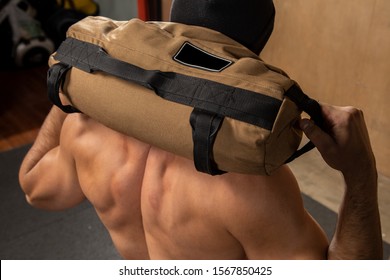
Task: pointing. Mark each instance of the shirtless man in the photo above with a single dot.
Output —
(156, 205)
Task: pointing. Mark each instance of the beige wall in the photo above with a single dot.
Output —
(166, 7)
(339, 52)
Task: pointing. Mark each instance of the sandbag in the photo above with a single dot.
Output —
(186, 89)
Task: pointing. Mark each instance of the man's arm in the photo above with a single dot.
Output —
(345, 146)
(47, 174)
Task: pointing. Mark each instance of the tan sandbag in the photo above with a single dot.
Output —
(152, 80)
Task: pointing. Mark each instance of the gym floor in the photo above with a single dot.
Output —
(28, 233)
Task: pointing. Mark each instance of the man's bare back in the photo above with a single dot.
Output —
(156, 205)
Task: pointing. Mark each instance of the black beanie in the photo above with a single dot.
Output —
(249, 22)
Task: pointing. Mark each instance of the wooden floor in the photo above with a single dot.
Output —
(23, 105)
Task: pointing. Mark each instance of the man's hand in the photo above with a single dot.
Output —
(345, 145)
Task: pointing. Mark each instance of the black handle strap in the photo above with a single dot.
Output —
(55, 77)
(310, 106)
(205, 126)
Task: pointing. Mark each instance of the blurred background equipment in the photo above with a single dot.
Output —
(31, 30)
(24, 43)
(88, 7)
(56, 16)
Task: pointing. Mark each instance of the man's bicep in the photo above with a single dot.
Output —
(52, 183)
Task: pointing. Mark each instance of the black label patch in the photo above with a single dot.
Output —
(193, 56)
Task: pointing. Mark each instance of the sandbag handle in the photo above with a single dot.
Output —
(205, 126)
(55, 77)
(310, 106)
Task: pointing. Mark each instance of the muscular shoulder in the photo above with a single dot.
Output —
(77, 125)
(267, 216)
(83, 135)
(255, 197)
(115, 160)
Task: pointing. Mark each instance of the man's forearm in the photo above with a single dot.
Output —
(48, 176)
(358, 232)
(47, 139)
(344, 144)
